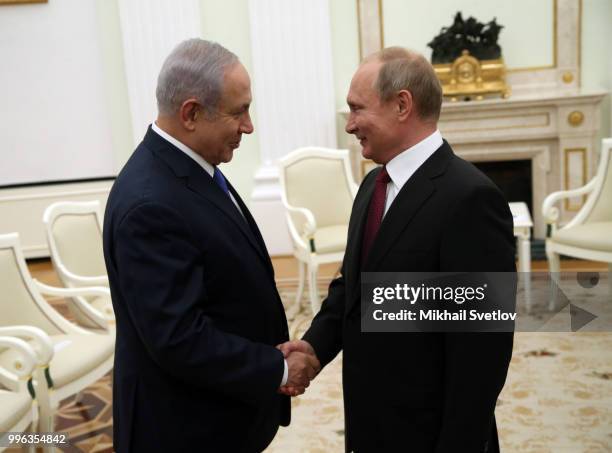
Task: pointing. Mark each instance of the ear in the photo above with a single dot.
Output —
(189, 113)
(404, 104)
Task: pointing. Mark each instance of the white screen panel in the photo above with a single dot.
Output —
(54, 122)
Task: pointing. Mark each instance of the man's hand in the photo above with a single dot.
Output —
(297, 345)
(303, 366)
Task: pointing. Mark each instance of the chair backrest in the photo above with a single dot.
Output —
(319, 179)
(74, 235)
(20, 301)
(602, 207)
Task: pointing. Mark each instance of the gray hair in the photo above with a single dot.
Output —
(194, 69)
(404, 69)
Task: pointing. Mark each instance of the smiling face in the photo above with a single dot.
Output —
(373, 122)
(217, 136)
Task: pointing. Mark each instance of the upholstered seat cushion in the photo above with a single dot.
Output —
(13, 407)
(592, 235)
(75, 355)
(330, 239)
(104, 305)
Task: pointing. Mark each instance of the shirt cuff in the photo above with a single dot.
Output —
(285, 374)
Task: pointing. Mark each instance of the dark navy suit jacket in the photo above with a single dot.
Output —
(198, 313)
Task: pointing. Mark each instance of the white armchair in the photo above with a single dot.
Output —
(34, 354)
(589, 234)
(74, 236)
(80, 356)
(317, 192)
(18, 408)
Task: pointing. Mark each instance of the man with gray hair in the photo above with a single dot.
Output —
(423, 210)
(198, 313)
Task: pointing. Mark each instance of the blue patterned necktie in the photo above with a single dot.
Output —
(220, 180)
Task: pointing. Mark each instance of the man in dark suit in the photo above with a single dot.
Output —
(425, 210)
(198, 313)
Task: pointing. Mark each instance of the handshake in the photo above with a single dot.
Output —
(303, 366)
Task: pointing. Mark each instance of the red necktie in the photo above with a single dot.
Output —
(375, 213)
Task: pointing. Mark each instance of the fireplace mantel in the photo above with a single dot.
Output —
(557, 130)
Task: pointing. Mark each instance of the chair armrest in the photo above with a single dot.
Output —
(309, 228)
(26, 361)
(311, 223)
(76, 294)
(99, 291)
(551, 212)
(98, 280)
(37, 357)
(43, 347)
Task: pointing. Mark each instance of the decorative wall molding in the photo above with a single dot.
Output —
(564, 73)
(150, 29)
(294, 96)
(575, 165)
(371, 38)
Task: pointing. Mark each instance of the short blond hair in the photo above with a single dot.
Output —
(404, 69)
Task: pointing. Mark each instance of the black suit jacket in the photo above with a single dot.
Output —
(198, 313)
(421, 392)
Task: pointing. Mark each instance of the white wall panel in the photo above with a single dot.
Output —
(294, 89)
(54, 119)
(150, 30)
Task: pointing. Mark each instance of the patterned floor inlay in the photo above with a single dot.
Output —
(558, 398)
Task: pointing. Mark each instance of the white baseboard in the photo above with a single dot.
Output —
(22, 208)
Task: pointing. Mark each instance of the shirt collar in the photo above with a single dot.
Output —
(403, 166)
(187, 150)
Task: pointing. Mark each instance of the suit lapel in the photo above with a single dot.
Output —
(415, 192)
(202, 183)
(407, 203)
(253, 228)
(357, 223)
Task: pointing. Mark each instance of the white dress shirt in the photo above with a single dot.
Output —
(210, 169)
(403, 166)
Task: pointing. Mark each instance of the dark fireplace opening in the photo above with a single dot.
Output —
(513, 177)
